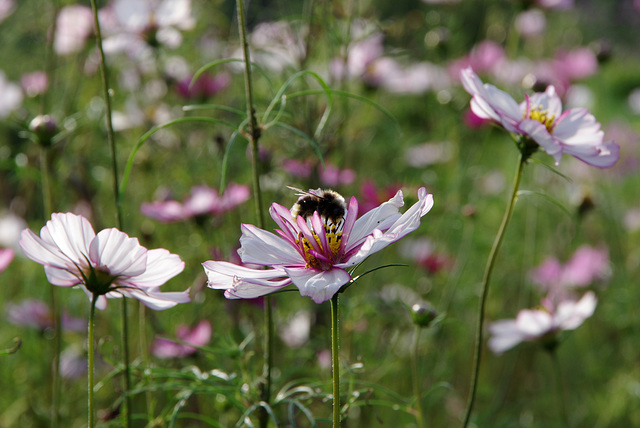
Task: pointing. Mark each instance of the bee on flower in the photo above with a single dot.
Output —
(319, 240)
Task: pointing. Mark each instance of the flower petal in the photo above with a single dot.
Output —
(161, 267)
(570, 315)
(265, 248)
(320, 285)
(154, 299)
(407, 223)
(242, 282)
(504, 336)
(117, 253)
(380, 218)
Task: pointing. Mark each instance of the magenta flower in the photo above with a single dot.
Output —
(204, 87)
(540, 118)
(313, 253)
(108, 265)
(197, 336)
(541, 324)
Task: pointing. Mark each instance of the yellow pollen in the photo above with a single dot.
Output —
(333, 238)
(543, 117)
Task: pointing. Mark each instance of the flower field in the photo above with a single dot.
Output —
(421, 213)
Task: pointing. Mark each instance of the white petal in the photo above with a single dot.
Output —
(71, 233)
(504, 336)
(221, 275)
(265, 248)
(380, 218)
(63, 277)
(155, 299)
(161, 267)
(534, 323)
(407, 223)
(119, 254)
(606, 156)
(569, 315)
(320, 285)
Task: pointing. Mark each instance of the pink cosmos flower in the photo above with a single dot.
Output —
(36, 314)
(203, 200)
(34, 83)
(541, 324)
(109, 264)
(6, 256)
(586, 266)
(206, 86)
(313, 254)
(197, 336)
(74, 25)
(541, 119)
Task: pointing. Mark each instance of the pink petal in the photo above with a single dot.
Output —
(6, 255)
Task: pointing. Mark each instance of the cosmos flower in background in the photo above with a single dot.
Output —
(541, 119)
(6, 256)
(587, 266)
(541, 325)
(11, 96)
(202, 200)
(207, 85)
(200, 335)
(330, 175)
(108, 265)
(36, 314)
(74, 25)
(313, 252)
(34, 83)
(138, 24)
(424, 253)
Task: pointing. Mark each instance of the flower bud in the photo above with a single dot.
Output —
(423, 314)
(44, 127)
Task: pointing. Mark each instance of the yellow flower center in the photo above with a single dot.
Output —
(334, 236)
(542, 116)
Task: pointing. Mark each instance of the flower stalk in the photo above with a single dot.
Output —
(92, 420)
(114, 167)
(493, 254)
(335, 360)
(253, 136)
(561, 392)
(416, 383)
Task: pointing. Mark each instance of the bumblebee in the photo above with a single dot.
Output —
(329, 204)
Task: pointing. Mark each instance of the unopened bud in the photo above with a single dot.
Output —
(423, 314)
(44, 127)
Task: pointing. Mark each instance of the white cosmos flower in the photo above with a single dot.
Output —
(540, 324)
(313, 255)
(540, 118)
(109, 264)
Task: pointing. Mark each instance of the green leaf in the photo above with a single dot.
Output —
(547, 197)
(149, 133)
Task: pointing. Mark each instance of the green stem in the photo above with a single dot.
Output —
(114, 168)
(92, 313)
(335, 360)
(125, 357)
(144, 351)
(562, 393)
(253, 137)
(55, 307)
(485, 287)
(107, 103)
(416, 384)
